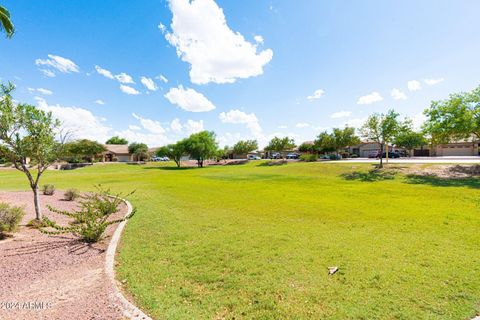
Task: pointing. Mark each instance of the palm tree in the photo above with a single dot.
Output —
(6, 24)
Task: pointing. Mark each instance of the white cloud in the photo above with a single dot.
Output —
(282, 126)
(149, 83)
(397, 94)
(124, 78)
(176, 126)
(58, 63)
(193, 126)
(134, 127)
(189, 99)
(104, 72)
(302, 125)
(47, 73)
(215, 53)
(258, 39)
(162, 27)
(370, 98)
(317, 94)
(355, 123)
(43, 91)
(150, 125)
(418, 120)
(432, 82)
(162, 78)
(250, 120)
(79, 122)
(100, 102)
(129, 90)
(414, 85)
(340, 114)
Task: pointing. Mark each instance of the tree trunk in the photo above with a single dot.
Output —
(386, 152)
(381, 156)
(36, 201)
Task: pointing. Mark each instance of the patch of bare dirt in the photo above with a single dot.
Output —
(444, 171)
(53, 277)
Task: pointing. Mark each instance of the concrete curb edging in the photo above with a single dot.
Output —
(129, 309)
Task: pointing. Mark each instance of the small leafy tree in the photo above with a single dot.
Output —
(84, 149)
(280, 144)
(28, 134)
(139, 150)
(382, 129)
(325, 142)
(343, 138)
(245, 146)
(116, 140)
(91, 219)
(201, 146)
(409, 139)
(307, 147)
(173, 151)
(6, 24)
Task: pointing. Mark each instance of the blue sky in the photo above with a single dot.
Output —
(244, 69)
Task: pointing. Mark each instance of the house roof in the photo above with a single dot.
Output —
(117, 148)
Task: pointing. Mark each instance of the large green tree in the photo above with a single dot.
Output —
(280, 144)
(6, 24)
(382, 129)
(201, 146)
(173, 151)
(117, 140)
(457, 117)
(324, 142)
(245, 146)
(408, 138)
(343, 138)
(84, 149)
(139, 150)
(28, 134)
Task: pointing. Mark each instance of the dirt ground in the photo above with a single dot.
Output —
(53, 277)
(451, 171)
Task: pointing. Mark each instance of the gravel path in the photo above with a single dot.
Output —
(53, 277)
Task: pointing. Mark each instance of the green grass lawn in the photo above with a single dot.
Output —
(254, 242)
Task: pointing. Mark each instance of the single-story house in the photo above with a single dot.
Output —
(453, 149)
(117, 153)
(366, 149)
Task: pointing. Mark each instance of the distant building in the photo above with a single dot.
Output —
(117, 153)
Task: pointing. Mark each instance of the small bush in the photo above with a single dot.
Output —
(92, 218)
(36, 224)
(354, 156)
(10, 217)
(309, 157)
(71, 194)
(48, 189)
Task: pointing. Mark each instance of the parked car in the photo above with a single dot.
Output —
(373, 154)
(391, 155)
(293, 156)
(254, 157)
(155, 159)
(276, 156)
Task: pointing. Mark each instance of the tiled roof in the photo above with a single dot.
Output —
(117, 148)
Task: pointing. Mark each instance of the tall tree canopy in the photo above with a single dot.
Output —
(280, 144)
(382, 129)
(6, 24)
(84, 149)
(325, 142)
(245, 146)
(28, 134)
(139, 150)
(201, 146)
(343, 138)
(116, 140)
(457, 117)
(407, 138)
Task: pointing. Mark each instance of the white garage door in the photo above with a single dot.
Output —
(457, 151)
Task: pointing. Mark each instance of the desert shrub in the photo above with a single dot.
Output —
(91, 219)
(48, 189)
(309, 157)
(71, 194)
(334, 157)
(10, 217)
(114, 159)
(36, 224)
(354, 155)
